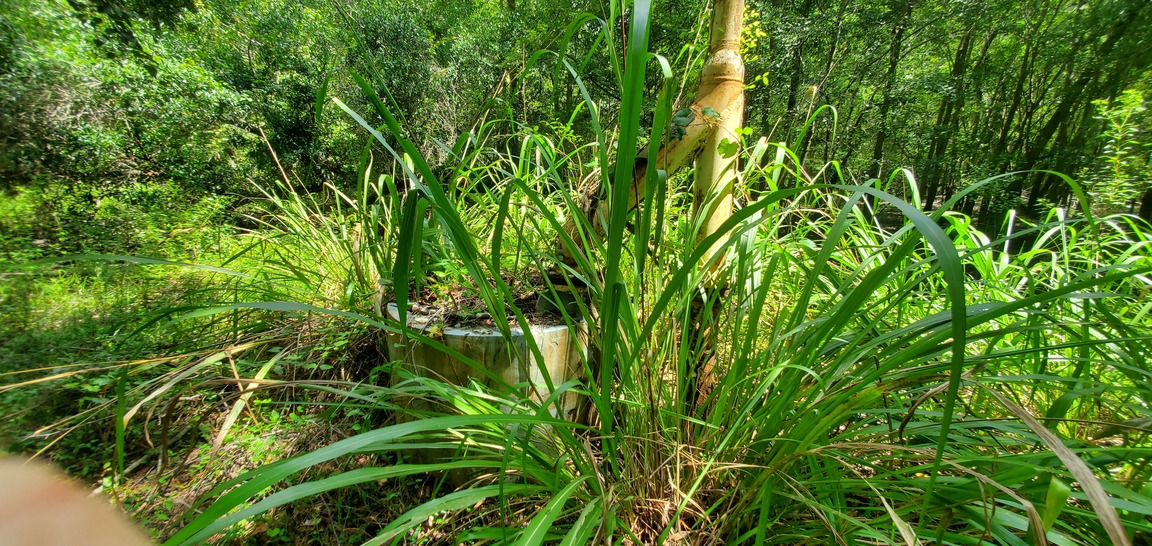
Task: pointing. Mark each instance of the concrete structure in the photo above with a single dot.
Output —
(563, 350)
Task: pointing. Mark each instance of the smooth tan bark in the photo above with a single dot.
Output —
(722, 90)
(712, 141)
(722, 83)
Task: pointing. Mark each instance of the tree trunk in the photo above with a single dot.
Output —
(722, 83)
(889, 83)
(794, 118)
(1146, 206)
(715, 141)
(947, 122)
(722, 80)
(721, 90)
(1077, 90)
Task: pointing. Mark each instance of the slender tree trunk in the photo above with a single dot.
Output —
(794, 118)
(721, 90)
(722, 80)
(947, 117)
(1017, 97)
(1077, 90)
(714, 139)
(1146, 206)
(894, 52)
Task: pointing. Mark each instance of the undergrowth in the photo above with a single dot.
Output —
(902, 381)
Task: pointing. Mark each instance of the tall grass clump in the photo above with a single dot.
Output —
(914, 382)
(867, 382)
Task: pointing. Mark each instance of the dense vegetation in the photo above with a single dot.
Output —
(925, 321)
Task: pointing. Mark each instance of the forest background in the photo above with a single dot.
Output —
(154, 129)
(104, 96)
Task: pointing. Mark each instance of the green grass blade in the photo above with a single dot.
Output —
(537, 529)
(449, 503)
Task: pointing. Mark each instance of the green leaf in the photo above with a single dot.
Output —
(585, 525)
(678, 122)
(1055, 501)
(239, 491)
(448, 503)
(728, 148)
(683, 117)
(538, 528)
